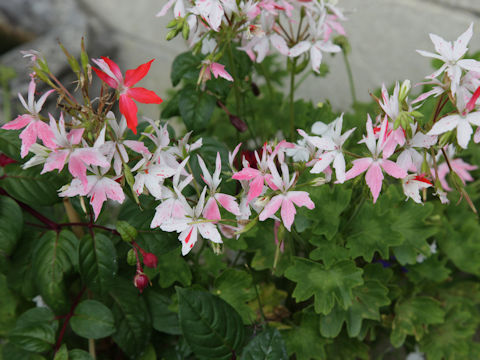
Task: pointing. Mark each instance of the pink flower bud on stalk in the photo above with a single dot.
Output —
(140, 281)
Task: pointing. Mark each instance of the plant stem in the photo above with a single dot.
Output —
(350, 77)
(291, 95)
(73, 217)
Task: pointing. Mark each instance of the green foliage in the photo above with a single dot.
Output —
(92, 320)
(211, 327)
(412, 317)
(329, 286)
(268, 345)
(11, 224)
(196, 108)
(163, 318)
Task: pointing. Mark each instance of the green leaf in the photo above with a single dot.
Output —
(196, 108)
(11, 224)
(97, 261)
(28, 186)
(170, 109)
(53, 258)
(412, 317)
(10, 144)
(62, 353)
(454, 338)
(12, 352)
(126, 231)
(149, 353)
(35, 330)
(465, 232)
(431, 269)
(132, 319)
(304, 340)
(172, 268)
(371, 232)
(163, 319)
(77, 354)
(235, 287)
(329, 252)
(185, 65)
(211, 327)
(328, 285)
(368, 299)
(326, 218)
(8, 305)
(92, 320)
(268, 345)
(345, 348)
(410, 222)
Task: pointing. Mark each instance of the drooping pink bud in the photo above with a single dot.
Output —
(471, 104)
(140, 281)
(150, 260)
(5, 160)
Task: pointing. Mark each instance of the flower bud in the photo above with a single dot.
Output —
(5, 160)
(140, 281)
(237, 123)
(255, 89)
(131, 258)
(404, 90)
(150, 260)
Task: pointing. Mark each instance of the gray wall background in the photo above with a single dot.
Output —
(383, 33)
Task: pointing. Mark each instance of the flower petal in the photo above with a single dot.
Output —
(374, 178)
(129, 109)
(135, 75)
(144, 96)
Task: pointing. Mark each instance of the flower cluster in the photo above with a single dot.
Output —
(103, 161)
(259, 26)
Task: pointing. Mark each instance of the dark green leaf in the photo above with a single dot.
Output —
(170, 109)
(35, 330)
(11, 224)
(10, 144)
(8, 305)
(77, 354)
(304, 340)
(163, 319)
(196, 108)
(268, 345)
(12, 352)
(28, 186)
(412, 317)
(62, 353)
(329, 285)
(97, 262)
(92, 320)
(185, 65)
(53, 258)
(371, 232)
(172, 268)
(211, 327)
(235, 287)
(132, 319)
(368, 299)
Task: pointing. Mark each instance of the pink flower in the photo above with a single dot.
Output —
(257, 176)
(460, 167)
(99, 189)
(286, 199)
(214, 68)
(374, 165)
(110, 73)
(34, 127)
(211, 210)
(77, 157)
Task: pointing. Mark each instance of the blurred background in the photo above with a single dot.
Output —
(383, 35)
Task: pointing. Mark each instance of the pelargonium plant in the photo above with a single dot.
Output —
(271, 228)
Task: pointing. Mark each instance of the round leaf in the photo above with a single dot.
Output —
(92, 320)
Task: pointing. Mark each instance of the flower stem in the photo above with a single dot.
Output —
(291, 96)
(350, 77)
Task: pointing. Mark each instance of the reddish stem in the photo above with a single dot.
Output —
(67, 319)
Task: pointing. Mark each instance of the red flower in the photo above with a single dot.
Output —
(110, 73)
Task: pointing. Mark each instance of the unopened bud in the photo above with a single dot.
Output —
(404, 90)
(140, 281)
(343, 42)
(172, 24)
(150, 260)
(445, 139)
(171, 34)
(186, 30)
(237, 123)
(319, 181)
(131, 258)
